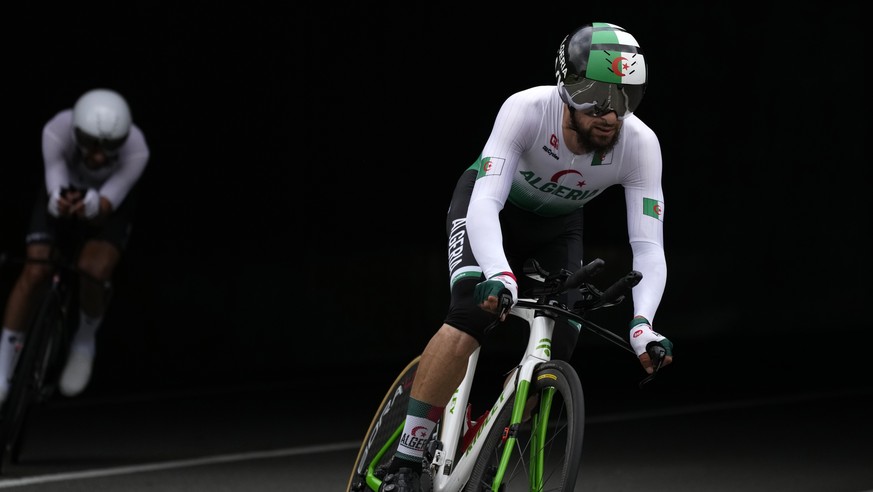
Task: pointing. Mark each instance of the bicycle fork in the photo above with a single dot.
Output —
(538, 351)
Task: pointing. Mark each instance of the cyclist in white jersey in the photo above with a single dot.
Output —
(552, 149)
(93, 156)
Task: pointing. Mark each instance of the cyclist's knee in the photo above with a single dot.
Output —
(458, 341)
(97, 264)
(96, 270)
(37, 269)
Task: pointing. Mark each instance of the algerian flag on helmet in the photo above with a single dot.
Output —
(614, 56)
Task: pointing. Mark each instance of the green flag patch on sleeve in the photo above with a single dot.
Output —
(653, 208)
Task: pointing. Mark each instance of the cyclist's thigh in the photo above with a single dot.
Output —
(117, 227)
(464, 314)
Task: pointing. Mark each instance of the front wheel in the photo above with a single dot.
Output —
(41, 349)
(380, 441)
(546, 449)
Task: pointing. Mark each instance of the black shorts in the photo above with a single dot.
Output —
(555, 242)
(45, 228)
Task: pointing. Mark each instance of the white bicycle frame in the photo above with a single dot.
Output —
(451, 476)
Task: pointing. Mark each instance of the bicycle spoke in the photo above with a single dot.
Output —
(547, 445)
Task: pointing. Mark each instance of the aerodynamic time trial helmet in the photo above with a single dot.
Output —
(101, 118)
(601, 67)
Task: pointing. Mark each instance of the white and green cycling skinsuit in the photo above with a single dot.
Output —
(526, 162)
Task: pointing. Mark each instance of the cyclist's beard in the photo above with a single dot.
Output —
(589, 143)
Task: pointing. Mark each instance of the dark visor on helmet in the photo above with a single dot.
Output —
(587, 94)
(91, 142)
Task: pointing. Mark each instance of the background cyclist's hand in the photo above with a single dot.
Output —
(641, 335)
(89, 206)
(62, 202)
(497, 294)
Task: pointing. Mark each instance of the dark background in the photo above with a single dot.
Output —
(292, 213)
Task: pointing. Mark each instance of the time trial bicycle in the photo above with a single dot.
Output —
(45, 349)
(531, 437)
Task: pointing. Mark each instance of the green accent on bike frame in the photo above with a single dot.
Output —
(517, 415)
(538, 444)
(546, 346)
(453, 403)
(373, 482)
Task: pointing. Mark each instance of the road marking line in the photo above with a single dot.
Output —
(210, 460)
(343, 446)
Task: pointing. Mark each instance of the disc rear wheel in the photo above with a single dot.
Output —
(380, 441)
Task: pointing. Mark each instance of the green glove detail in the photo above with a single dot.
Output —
(495, 285)
(487, 288)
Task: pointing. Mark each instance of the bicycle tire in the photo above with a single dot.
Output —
(564, 430)
(389, 416)
(43, 343)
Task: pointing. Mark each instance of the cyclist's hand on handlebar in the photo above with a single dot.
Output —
(653, 349)
(497, 294)
(89, 206)
(62, 202)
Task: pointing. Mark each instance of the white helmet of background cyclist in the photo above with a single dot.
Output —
(103, 116)
(601, 66)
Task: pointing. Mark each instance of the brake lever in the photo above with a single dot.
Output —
(656, 353)
(505, 304)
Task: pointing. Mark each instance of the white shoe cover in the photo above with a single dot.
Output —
(77, 372)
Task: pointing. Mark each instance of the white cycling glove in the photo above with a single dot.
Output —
(53, 203)
(91, 202)
(641, 334)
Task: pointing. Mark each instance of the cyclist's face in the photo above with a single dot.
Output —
(96, 156)
(595, 133)
(97, 152)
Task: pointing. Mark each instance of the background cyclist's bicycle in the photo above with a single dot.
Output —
(44, 352)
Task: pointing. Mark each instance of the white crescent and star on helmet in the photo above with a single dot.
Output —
(618, 67)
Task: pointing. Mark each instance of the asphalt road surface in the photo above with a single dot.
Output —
(303, 435)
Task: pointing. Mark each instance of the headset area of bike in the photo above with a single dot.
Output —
(531, 437)
(41, 360)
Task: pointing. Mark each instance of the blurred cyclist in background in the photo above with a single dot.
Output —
(94, 156)
(552, 149)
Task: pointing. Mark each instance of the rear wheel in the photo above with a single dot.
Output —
(546, 450)
(380, 441)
